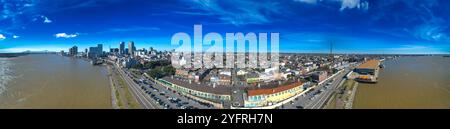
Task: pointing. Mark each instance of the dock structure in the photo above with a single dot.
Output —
(368, 71)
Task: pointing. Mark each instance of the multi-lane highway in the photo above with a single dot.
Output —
(144, 99)
(326, 93)
(318, 96)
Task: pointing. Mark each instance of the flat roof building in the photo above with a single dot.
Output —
(371, 64)
(368, 71)
(268, 96)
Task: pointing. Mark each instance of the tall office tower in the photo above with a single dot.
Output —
(100, 49)
(131, 48)
(122, 48)
(73, 51)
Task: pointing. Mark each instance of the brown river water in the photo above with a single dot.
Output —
(408, 82)
(52, 81)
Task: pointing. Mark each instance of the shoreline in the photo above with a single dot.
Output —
(114, 100)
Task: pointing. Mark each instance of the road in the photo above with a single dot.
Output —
(319, 102)
(317, 97)
(144, 99)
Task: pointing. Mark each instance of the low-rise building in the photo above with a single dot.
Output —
(215, 94)
(261, 97)
(368, 71)
(319, 76)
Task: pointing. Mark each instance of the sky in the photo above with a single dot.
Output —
(304, 26)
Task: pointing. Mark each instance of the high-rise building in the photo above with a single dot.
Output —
(92, 52)
(131, 48)
(122, 48)
(114, 50)
(95, 51)
(100, 48)
(73, 51)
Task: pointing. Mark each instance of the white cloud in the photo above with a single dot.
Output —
(64, 35)
(2, 37)
(46, 20)
(15, 36)
(345, 4)
(350, 4)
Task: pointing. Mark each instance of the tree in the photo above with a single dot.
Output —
(169, 70)
(156, 73)
(159, 72)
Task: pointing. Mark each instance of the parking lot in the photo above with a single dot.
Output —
(169, 99)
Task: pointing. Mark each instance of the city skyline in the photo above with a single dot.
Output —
(305, 26)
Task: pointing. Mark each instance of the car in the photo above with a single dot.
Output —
(299, 107)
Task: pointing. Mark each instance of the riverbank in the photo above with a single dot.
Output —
(120, 93)
(114, 93)
(344, 96)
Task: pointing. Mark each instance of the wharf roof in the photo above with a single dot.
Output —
(371, 64)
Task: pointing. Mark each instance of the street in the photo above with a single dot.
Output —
(317, 97)
(143, 99)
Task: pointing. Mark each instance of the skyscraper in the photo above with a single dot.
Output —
(95, 51)
(131, 48)
(73, 51)
(100, 49)
(122, 48)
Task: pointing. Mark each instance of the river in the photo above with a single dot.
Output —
(52, 81)
(408, 82)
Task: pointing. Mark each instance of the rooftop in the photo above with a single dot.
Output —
(253, 92)
(222, 90)
(371, 64)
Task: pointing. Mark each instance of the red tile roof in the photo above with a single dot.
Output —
(254, 92)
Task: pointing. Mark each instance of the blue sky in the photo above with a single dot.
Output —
(355, 26)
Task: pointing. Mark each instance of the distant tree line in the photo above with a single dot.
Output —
(157, 69)
(151, 64)
(161, 71)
